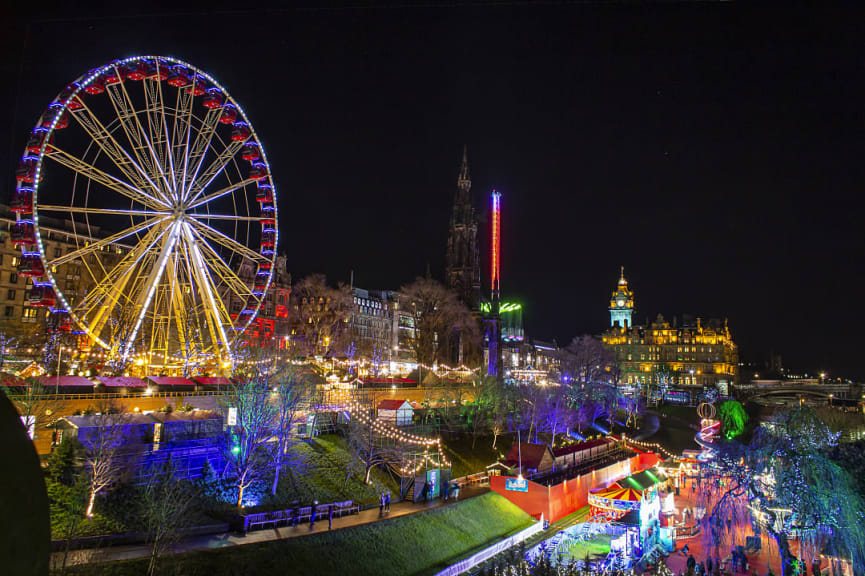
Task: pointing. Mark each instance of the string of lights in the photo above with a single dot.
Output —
(652, 446)
(388, 431)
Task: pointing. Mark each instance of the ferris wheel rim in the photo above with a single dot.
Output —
(60, 107)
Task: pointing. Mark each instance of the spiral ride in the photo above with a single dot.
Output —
(709, 430)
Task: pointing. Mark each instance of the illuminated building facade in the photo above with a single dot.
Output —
(24, 312)
(272, 324)
(370, 323)
(692, 353)
(462, 262)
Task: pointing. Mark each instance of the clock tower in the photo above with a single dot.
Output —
(622, 304)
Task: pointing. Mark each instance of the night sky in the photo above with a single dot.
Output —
(716, 151)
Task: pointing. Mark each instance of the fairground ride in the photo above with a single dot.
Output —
(156, 151)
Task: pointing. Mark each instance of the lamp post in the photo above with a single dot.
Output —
(57, 382)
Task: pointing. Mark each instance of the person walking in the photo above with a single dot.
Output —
(330, 517)
(380, 503)
(312, 516)
(387, 501)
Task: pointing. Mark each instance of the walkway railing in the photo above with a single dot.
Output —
(494, 550)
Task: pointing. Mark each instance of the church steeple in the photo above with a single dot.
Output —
(622, 303)
(464, 180)
(463, 257)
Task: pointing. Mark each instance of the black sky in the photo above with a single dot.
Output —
(714, 150)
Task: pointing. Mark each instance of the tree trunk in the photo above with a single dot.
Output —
(154, 555)
(240, 496)
(278, 466)
(368, 472)
(276, 477)
(89, 512)
(784, 552)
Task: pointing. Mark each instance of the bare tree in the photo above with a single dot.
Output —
(103, 456)
(439, 317)
(167, 503)
(121, 324)
(586, 361)
(557, 416)
(319, 314)
(249, 399)
(369, 447)
(292, 394)
(37, 405)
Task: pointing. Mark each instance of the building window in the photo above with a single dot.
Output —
(29, 313)
(10, 310)
(15, 260)
(10, 295)
(13, 277)
(57, 252)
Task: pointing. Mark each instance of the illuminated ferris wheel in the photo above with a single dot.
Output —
(165, 187)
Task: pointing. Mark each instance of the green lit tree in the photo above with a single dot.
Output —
(733, 418)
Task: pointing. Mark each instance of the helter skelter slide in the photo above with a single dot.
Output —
(709, 429)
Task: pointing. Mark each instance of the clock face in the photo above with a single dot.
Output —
(620, 303)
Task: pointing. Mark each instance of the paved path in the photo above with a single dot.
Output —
(114, 553)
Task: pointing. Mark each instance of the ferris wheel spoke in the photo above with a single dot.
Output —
(213, 170)
(229, 217)
(84, 210)
(201, 146)
(142, 146)
(107, 143)
(228, 242)
(125, 110)
(217, 313)
(220, 193)
(98, 244)
(145, 296)
(224, 271)
(112, 286)
(95, 174)
(180, 137)
(157, 126)
(194, 280)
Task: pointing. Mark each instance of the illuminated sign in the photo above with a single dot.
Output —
(232, 416)
(517, 484)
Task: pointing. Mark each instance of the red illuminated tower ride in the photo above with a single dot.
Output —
(492, 323)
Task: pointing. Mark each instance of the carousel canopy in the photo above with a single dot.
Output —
(616, 498)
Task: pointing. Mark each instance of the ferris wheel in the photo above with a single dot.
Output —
(146, 213)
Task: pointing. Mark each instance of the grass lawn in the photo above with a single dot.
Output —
(598, 546)
(465, 460)
(417, 544)
(320, 475)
